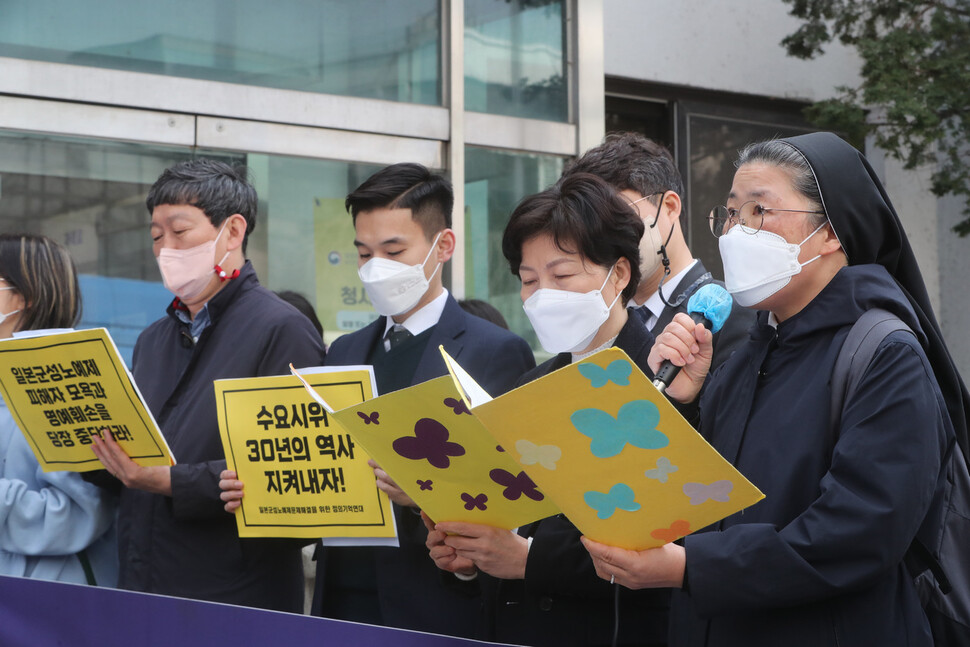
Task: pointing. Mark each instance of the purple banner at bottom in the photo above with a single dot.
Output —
(35, 613)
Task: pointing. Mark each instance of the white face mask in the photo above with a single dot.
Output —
(3, 316)
(393, 287)
(756, 265)
(567, 321)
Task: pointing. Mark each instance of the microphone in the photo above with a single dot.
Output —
(711, 306)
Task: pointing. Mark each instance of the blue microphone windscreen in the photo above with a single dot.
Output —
(712, 301)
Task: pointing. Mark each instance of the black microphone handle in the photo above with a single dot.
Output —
(668, 371)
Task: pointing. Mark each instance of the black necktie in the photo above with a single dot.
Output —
(397, 334)
(642, 312)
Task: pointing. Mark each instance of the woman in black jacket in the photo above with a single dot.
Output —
(575, 248)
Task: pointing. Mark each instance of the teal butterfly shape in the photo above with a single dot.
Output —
(618, 372)
(620, 497)
(635, 424)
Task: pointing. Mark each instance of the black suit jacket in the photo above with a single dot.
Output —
(562, 602)
(412, 592)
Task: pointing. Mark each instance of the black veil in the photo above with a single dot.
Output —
(870, 232)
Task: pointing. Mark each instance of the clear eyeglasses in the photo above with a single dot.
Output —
(751, 215)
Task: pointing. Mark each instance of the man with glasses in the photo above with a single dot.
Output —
(644, 173)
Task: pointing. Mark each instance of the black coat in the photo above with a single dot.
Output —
(561, 602)
(411, 592)
(819, 560)
(186, 544)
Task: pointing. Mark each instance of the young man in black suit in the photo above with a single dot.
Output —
(402, 224)
(644, 173)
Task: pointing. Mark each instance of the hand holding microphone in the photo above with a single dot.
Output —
(710, 306)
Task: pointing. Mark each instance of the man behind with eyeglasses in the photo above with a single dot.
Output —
(644, 173)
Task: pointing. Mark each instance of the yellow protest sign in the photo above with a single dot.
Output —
(620, 462)
(304, 476)
(64, 388)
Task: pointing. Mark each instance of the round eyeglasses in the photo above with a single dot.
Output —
(751, 215)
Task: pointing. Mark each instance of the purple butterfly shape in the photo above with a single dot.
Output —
(370, 418)
(516, 485)
(425, 485)
(472, 502)
(429, 442)
(716, 491)
(458, 405)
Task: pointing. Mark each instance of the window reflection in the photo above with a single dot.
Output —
(379, 49)
(494, 183)
(515, 58)
(90, 196)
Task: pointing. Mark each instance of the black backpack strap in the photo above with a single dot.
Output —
(857, 352)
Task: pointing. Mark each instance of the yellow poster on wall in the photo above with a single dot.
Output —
(620, 462)
(63, 388)
(304, 476)
(342, 303)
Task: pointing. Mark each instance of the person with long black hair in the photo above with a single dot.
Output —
(53, 525)
(810, 239)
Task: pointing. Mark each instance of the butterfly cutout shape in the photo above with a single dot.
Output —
(717, 491)
(620, 497)
(618, 371)
(472, 502)
(429, 442)
(458, 406)
(372, 418)
(516, 485)
(676, 530)
(635, 424)
(544, 455)
(662, 470)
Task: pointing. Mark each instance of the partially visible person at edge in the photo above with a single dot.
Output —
(644, 173)
(574, 247)
(484, 310)
(175, 538)
(810, 239)
(53, 525)
(402, 226)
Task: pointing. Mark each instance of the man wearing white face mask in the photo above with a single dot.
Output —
(645, 175)
(402, 224)
(174, 536)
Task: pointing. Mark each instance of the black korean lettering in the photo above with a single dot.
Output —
(264, 418)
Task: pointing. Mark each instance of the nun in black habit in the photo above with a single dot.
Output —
(810, 239)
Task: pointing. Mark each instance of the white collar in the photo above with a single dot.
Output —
(424, 318)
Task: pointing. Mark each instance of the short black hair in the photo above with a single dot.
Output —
(583, 214)
(216, 188)
(630, 161)
(484, 310)
(407, 186)
(302, 304)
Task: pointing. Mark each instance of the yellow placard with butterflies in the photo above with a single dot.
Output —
(619, 461)
(428, 441)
